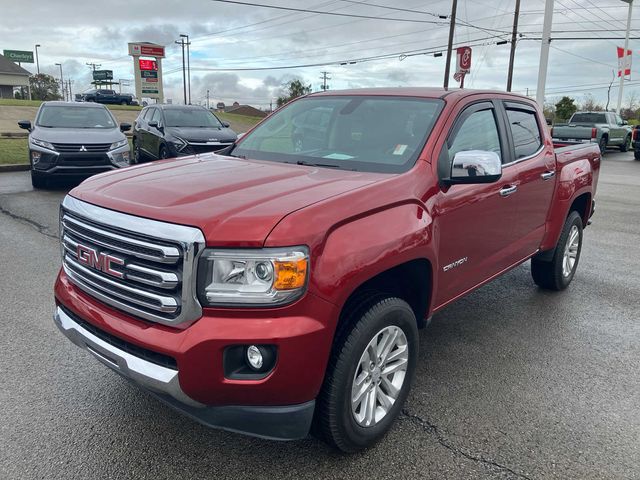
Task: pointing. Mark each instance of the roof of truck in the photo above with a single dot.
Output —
(424, 92)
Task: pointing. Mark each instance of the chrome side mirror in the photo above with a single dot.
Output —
(475, 166)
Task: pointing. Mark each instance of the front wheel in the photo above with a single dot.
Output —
(38, 181)
(557, 273)
(636, 154)
(626, 145)
(163, 153)
(603, 145)
(369, 374)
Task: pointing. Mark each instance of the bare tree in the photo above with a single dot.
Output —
(590, 104)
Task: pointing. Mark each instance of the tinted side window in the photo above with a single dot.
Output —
(525, 132)
(156, 115)
(478, 132)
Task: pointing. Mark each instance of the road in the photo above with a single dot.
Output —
(513, 382)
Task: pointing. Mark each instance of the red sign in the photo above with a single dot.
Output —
(148, 64)
(152, 51)
(626, 61)
(463, 63)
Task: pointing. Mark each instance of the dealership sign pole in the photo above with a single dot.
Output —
(148, 71)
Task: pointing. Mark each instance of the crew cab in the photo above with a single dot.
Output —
(107, 96)
(606, 129)
(277, 285)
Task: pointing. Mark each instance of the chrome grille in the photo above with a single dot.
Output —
(82, 147)
(152, 274)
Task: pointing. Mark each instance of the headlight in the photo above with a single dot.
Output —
(42, 143)
(178, 143)
(261, 277)
(119, 144)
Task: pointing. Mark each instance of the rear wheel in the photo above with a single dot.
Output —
(137, 152)
(163, 153)
(636, 154)
(557, 273)
(603, 145)
(369, 373)
(626, 145)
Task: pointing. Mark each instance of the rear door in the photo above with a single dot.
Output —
(475, 222)
(536, 164)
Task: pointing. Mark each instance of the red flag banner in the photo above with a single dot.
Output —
(624, 62)
(463, 63)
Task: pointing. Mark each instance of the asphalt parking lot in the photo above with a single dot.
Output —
(513, 382)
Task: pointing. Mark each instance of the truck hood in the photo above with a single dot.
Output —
(235, 202)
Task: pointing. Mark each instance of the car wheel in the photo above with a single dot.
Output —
(626, 145)
(369, 373)
(137, 152)
(636, 154)
(163, 153)
(38, 181)
(557, 273)
(123, 102)
(603, 145)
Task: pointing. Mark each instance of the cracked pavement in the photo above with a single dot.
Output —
(512, 382)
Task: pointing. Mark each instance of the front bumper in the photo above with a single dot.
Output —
(274, 422)
(279, 406)
(75, 163)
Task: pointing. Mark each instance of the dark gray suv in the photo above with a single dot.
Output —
(74, 140)
(168, 131)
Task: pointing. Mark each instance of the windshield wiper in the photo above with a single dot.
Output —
(310, 164)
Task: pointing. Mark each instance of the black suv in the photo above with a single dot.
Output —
(74, 139)
(167, 131)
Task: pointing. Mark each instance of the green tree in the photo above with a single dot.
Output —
(44, 87)
(295, 89)
(565, 108)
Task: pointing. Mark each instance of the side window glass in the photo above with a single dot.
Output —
(156, 115)
(525, 132)
(478, 132)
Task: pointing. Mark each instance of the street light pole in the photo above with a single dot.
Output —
(452, 26)
(624, 55)
(61, 81)
(514, 39)
(37, 61)
(189, 69)
(184, 76)
(544, 52)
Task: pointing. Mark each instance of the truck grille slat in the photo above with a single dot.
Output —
(131, 263)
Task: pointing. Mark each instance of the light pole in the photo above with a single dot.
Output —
(37, 61)
(184, 77)
(188, 67)
(624, 56)
(61, 81)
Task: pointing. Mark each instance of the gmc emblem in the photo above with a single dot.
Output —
(100, 261)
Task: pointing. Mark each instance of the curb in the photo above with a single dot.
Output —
(16, 167)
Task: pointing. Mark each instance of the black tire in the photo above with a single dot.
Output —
(123, 102)
(626, 145)
(138, 156)
(636, 154)
(603, 145)
(334, 421)
(163, 152)
(548, 274)
(38, 181)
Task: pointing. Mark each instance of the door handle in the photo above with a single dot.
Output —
(508, 190)
(548, 174)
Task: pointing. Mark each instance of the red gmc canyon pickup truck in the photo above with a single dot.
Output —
(278, 287)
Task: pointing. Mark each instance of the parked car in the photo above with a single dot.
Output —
(266, 289)
(167, 131)
(606, 129)
(70, 139)
(108, 97)
(636, 142)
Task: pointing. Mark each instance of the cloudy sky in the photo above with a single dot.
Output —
(235, 48)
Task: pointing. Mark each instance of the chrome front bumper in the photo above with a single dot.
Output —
(156, 378)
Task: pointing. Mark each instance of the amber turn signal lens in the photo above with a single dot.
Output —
(290, 274)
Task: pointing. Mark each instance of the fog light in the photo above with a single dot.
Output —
(254, 357)
(35, 156)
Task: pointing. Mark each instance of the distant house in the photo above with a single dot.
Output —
(246, 110)
(220, 106)
(11, 75)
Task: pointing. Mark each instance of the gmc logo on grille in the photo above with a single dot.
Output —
(100, 261)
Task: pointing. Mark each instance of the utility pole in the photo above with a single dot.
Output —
(69, 83)
(93, 66)
(61, 80)
(544, 52)
(325, 76)
(184, 75)
(624, 56)
(207, 99)
(514, 36)
(452, 26)
(37, 61)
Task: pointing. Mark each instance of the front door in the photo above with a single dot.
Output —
(474, 223)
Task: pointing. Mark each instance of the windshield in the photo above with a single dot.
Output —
(191, 117)
(75, 117)
(366, 133)
(588, 118)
